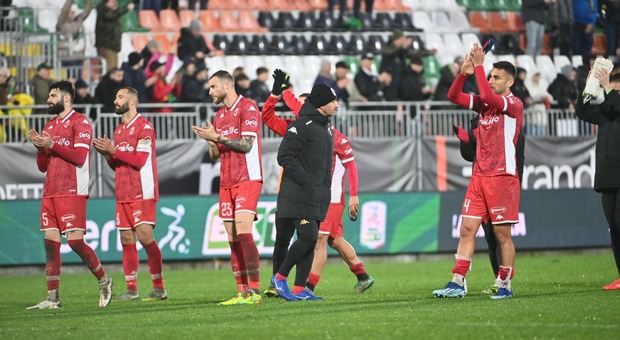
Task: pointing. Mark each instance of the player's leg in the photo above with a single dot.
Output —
(307, 237)
(251, 260)
(124, 219)
(284, 235)
(236, 252)
(611, 208)
(279, 280)
(53, 261)
(494, 255)
(320, 258)
(348, 254)
(154, 258)
(506, 269)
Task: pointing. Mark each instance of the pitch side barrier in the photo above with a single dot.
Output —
(359, 120)
(389, 224)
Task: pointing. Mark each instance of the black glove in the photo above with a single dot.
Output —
(280, 82)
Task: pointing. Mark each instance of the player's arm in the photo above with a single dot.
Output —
(291, 101)
(292, 143)
(487, 95)
(76, 154)
(456, 94)
(208, 133)
(43, 158)
(273, 122)
(214, 151)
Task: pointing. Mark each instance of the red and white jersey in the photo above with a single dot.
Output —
(136, 184)
(239, 120)
(343, 153)
(496, 136)
(63, 178)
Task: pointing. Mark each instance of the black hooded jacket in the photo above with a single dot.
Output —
(607, 117)
(306, 156)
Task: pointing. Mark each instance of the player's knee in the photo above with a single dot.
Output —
(76, 245)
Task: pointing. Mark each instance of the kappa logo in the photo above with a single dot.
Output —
(136, 215)
(500, 217)
(238, 205)
(252, 108)
(344, 141)
(222, 115)
(86, 121)
(303, 221)
(69, 224)
(148, 127)
(293, 130)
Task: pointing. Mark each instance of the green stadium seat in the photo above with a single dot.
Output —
(29, 21)
(130, 23)
(431, 69)
(354, 63)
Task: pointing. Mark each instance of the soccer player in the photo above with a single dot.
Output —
(330, 231)
(494, 190)
(63, 148)
(133, 159)
(306, 156)
(607, 177)
(234, 137)
(468, 152)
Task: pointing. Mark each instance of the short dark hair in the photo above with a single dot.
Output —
(242, 77)
(507, 66)
(223, 76)
(615, 78)
(133, 92)
(261, 70)
(65, 88)
(305, 94)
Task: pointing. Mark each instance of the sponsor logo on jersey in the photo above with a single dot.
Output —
(293, 130)
(348, 151)
(231, 130)
(489, 121)
(84, 135)
(125, 147)
(67, 217)
(251, 122)
(63, 141)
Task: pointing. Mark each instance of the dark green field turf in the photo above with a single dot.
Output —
(556, 296)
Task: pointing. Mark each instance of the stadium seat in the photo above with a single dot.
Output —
(383, 22)
(453, 44)
(210, 23)
(318, 5)
(403, 21)
(423, 21)
(356, 44)
(306, 22)
(469, 39)
(279, 44)
(599, 47)
(338, 44)
(221, 42)
(186, 16)
(327, 22)
(434, 40)
(431, 70)
(514, 22)
(259, 44)
(546, 67)
(148, 19)
(252, 63)
(248, 23)
(300, 46)
(215, 5)
(577, 60)
(375, 44)
(216, 63)
(239, 45)
(390, 5)
(139, 41)
(267, 19)
(459, 21)
(28, 20)
(165, 44)
(234, 61)
(47, 19)
(479, 20)
(442, 22)
(367, 22)
(527, 62)
(560, 61)
(286, 22)
(169, 20)
(353, 62)
(497, 22)
(92, 70)
(228, 21)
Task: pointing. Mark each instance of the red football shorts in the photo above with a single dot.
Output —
(242, 198)
(332, 225)
(129, 215)
(495, 198)
(64, 213)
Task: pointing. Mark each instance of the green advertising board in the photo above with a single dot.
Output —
(188, 228)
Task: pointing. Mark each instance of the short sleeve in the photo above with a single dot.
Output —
(145, 138)
(83, 133)
(250, 120)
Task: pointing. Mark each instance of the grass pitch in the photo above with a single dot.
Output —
(556, 296)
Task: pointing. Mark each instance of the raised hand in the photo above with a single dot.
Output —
(280, 82)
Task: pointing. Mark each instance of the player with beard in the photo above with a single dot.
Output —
(63, 148)
(133, 159)
(494, 190)
(234, 138)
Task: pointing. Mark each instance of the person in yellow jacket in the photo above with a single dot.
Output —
(14, 128)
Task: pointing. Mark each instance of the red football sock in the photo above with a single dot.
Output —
(314, 279)
(52, 264)
(506, 273)
(280, 277)
(153, 254)
(359, 270)
(130, 266)
(238, 267)
(298, 289)
(461, 266)
(251, 259)
(88, 256)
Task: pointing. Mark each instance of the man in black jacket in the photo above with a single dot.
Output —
(192, 44)
(468, 152)
(306, 156)
(607, 176)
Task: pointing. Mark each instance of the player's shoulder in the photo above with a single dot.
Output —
(248, 104)
(79, 118)
(514, 100)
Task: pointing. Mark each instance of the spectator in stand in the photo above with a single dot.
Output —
(259, 88)
(412, 86)
(4, 14)
(343, 82)
(40, 84)
(368, 82)
(342, 7)
(394, 56)
(585, 15)
(105, 92)
(7, 86)
(83, 99)
(519, 89)
(154, 5)
(447, 74)
(194, 86)
(135, 77)
(239, 70)
(148, 51)
(533, 15)
(561, 23)
(163, 92)
(156, 55)
(564, 88)
(536, 114)
(242, 85)
(193, 45)
(72, 40)
(325, 74)
(358, 3)
(610, 9)
(108, 31)
(170, 4)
